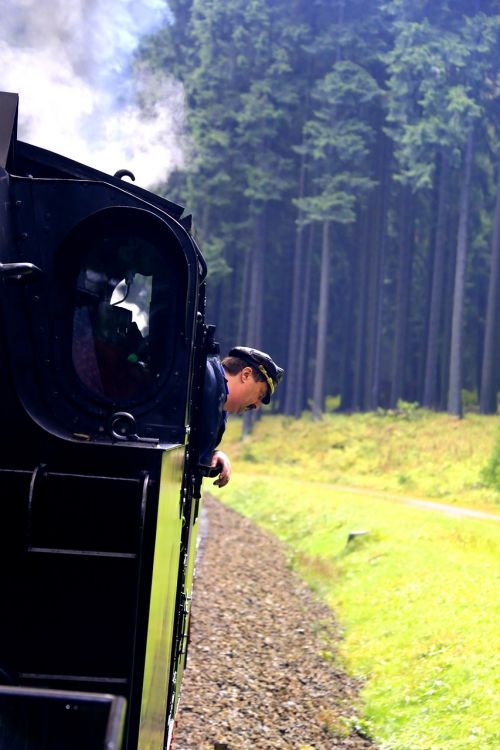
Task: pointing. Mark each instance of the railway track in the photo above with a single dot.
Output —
(257, 676)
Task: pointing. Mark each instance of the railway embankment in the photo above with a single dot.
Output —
(262, 669)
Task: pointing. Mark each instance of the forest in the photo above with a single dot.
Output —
(343, 172)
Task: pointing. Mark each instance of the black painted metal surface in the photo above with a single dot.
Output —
(101, 340)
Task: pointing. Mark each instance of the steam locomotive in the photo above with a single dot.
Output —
(104, 345)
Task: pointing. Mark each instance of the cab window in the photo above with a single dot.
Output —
(122, 315)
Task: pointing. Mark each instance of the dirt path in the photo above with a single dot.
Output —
(257, 675)
(451, 510)
(417, 502)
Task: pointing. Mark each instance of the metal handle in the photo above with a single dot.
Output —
(18, 270)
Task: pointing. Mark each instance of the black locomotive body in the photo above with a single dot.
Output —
(103, 354)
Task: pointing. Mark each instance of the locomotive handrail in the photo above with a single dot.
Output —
(18, 270)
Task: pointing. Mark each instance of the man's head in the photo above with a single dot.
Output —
(252, 378)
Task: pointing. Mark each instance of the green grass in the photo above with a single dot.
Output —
(417, 596)
(411, 452)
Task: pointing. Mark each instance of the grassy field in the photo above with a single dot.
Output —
(417, 594)
(412, 452)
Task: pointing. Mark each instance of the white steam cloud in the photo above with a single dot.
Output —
(69, 60)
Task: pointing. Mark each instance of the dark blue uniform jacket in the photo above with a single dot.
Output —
(213, 416)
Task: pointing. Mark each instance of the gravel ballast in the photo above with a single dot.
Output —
(256, 675)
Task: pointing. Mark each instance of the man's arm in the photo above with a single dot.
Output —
(219, 458)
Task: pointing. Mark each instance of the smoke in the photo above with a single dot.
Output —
(70, 62)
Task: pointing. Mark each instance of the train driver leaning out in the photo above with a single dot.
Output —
(244, 380)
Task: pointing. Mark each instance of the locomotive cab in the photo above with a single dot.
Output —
(103, 340)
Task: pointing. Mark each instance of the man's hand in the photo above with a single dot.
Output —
(220, 458)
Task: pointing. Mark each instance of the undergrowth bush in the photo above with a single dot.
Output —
(332, 403)
(490, 474)
(470, 400)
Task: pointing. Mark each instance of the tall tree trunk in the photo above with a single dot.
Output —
(321, 337)
(371, 301)
(488, 396)
(430, 397)
(447, 314)
(244, 295)
(215, 312)
(349, 331)
(254, 304)
(302, 344)
(293, 363)
(455, 383)
(359, 356)
(402, 296)
(255, 299)
(205, 216)
(379, 295)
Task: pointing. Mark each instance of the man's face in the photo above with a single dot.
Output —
(245, 392)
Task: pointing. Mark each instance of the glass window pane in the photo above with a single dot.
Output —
(122, 314)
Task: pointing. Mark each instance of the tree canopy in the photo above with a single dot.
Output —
(343, 172)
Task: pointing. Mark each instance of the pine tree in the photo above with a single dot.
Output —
(488, 400)
(337, 142)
